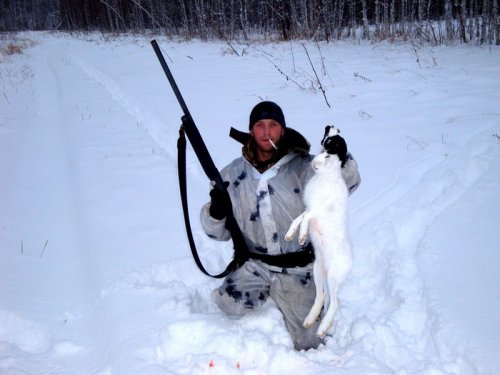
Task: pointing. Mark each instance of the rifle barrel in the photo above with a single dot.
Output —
(171, 79)
(190, 128)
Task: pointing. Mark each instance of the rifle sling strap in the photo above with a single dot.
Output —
(181, 166)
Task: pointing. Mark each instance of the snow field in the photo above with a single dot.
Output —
(96, 275)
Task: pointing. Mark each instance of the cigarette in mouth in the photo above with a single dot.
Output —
(272, 144)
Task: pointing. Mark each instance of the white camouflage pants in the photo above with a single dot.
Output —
(293, 290)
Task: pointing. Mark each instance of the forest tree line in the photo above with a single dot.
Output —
(434, 21)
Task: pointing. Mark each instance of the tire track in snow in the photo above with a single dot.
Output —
(391, 193)
(45, 209)
(45, 188)
(153, 126)
(386, 302)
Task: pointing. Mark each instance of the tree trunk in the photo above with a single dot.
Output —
(392, 16)
(462, 17)
(352, 18)
(340, 18)
(385, 18)
(484, 23)
(366, 29)
(496, 18)
(448, 16)
(377, 18)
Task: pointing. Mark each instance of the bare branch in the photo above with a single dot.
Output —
(44, 246)
(145, 11)
(317, 78)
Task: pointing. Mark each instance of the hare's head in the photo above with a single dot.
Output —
(330, 131)
(324, 162)
(334, 143)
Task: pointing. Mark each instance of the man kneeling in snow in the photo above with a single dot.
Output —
(265, 187)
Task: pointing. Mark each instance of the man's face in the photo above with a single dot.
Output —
(265, 130)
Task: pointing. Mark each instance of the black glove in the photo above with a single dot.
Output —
(219, 203)
(334, 143)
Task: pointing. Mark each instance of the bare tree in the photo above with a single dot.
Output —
(462, 17)
(484, 22)
(496, 18)
(448, 19)
(366, 30)
(434, 21)
(392, 19)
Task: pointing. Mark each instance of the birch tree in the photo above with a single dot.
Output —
(435, 21)
(448, 19)
(366, 30)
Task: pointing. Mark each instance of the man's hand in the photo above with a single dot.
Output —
(219, 203)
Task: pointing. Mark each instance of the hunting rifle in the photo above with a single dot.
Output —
(189, 128)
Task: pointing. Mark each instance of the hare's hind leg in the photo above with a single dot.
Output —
(319, 281)
(327, 320)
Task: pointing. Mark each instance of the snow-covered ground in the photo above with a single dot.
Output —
(96, 275)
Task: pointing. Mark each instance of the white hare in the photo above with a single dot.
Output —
(325, 219)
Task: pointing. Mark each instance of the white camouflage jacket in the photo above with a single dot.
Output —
(264, 204)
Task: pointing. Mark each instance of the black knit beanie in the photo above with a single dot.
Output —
(267, 111)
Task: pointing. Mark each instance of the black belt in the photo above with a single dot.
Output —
(299, 258)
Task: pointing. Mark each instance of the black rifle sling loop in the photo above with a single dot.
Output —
(181, 166)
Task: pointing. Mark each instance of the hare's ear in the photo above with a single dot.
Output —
(325, 136)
